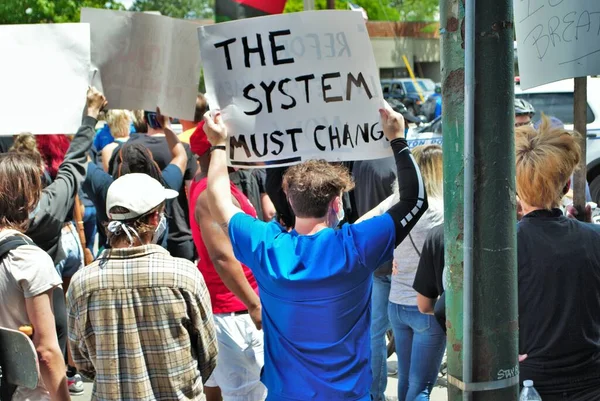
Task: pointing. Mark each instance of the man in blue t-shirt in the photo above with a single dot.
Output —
(314, 281)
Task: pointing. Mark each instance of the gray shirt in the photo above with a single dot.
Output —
(407, 255)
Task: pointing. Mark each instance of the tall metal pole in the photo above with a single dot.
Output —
(468, 212)
(580, 114)
(481, 290)
(453, 78)
(309, 5)
(495, 308)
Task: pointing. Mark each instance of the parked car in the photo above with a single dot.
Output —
(404, 90)
(554, 99)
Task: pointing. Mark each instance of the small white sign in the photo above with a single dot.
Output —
(143, 61)
(294, 87)
(44, 76)
(557, 39)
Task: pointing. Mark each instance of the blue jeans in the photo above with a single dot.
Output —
(420, 345)
(380, 323)
(89, 227)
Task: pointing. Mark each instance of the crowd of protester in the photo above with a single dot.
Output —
(169, 275)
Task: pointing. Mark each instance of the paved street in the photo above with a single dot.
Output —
(439, 393)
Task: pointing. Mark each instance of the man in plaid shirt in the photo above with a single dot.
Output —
(140, 321)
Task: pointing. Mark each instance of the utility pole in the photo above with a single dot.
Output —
(309, 5)
(482, 290)
(452, 14)
(331, 4)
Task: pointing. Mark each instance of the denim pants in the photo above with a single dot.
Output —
(380, 324)
(89, 227)
(420, 345)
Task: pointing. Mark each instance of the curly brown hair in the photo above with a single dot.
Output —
(312, 185)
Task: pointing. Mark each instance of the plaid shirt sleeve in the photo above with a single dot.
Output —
(77, 344)
(204, 337)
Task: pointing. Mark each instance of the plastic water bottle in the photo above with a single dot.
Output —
(529, 393)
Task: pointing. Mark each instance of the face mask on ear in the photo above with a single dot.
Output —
(160, 228)
(339, 216)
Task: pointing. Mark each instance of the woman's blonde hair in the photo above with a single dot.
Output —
(119, 122)
(429, 159)
(546, 159)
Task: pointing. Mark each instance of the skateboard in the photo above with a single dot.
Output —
(18, 359)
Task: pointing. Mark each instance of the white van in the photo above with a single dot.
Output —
(554, 99)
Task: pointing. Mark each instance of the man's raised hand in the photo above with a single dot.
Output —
(95, 102)
(215, 129)
(392, 123)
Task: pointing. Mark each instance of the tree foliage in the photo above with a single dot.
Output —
(48, 11)
(191, 9)
(381, 10)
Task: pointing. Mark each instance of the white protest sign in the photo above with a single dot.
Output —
(44, 76)
(557, 39)
(294, 87)
(145, 60)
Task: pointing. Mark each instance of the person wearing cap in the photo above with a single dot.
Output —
(233, 291)
(524, 112)
(140, 320)
(315, 281)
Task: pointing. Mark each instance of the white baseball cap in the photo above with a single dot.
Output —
(138, 193)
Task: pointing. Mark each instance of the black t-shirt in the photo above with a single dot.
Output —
(179, 226)
(247, 182)
(559, 304)
(5, 143)
(428, 279)
(430, 272)
(374, 181)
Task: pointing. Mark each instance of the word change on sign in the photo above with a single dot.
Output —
(557, 39)
(43, 61)
(294, 87)
(145, 60)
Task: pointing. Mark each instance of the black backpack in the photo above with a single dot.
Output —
(11, 243)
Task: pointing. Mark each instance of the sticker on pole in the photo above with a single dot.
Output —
(294, 87)
(557, 39)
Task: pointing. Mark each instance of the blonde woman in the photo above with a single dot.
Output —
(119, 122)
(559, 271)
(420, 340)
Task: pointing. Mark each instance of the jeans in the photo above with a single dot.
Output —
(70, 252)
(380, 323)
(420, 345)
(89, 227)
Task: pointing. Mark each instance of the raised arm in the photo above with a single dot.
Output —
(380, 209)
(220, 202)
(178, 153)
(413, 200)
(58, 198)
(227, 266)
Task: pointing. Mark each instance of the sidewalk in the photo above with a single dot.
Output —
(439, 393)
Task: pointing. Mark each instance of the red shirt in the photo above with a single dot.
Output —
(223, 300)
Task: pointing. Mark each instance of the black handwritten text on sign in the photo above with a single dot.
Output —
(561, 25)
(310, 89)
(267, 88)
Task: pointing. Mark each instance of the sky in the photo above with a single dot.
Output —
(127, 3)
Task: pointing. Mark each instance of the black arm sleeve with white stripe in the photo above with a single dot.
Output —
(413, 200)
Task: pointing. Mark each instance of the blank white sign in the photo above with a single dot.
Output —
(44, 76)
